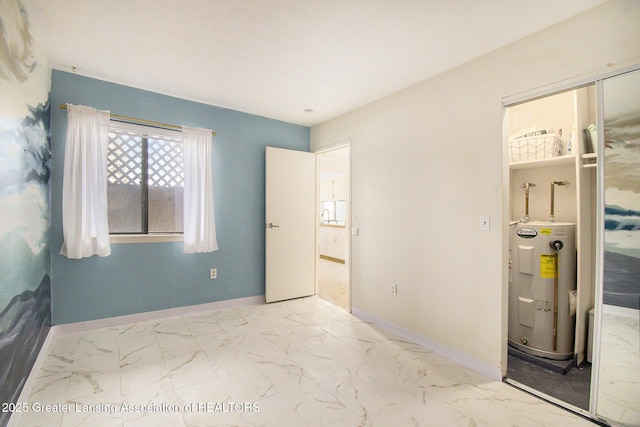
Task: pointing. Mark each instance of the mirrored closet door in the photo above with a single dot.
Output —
(618, 380)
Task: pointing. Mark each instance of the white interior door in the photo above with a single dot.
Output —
(290, 219)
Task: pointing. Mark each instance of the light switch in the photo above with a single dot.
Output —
(484, 223)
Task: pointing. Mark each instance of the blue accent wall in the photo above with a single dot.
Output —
(144, 277)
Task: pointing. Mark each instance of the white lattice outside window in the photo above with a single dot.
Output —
(145, 180)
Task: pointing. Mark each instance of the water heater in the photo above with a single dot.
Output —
(542, 288)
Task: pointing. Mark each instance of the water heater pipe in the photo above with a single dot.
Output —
(526, 186)
(556, 245)
(553, 186)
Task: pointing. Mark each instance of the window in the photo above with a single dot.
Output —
(333, 212)
(145, 180)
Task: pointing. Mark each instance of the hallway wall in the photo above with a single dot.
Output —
(429, 161)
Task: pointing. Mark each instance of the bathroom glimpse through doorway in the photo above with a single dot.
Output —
(334, 225)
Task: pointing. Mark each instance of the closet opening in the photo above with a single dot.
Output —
(552, 153)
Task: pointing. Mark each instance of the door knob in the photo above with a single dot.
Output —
(272, 225)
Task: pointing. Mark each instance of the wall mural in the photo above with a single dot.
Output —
(622, 192)
(25, 295)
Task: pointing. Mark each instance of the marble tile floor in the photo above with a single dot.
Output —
(619, 381)
(333, 283)
(302, 362)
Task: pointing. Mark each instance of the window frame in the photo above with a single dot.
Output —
(145, 132)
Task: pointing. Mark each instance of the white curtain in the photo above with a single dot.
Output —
(199, 219)
(85, 221)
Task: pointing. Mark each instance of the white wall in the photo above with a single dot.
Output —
(428, 161)
(335, 161)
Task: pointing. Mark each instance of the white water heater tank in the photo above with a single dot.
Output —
(543, 282)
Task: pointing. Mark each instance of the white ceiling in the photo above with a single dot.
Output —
(276, 58)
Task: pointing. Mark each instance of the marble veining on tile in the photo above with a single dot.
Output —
(302, 362)
(619, 382)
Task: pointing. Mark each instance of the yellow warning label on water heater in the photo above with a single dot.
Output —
(546, 231)
(548, 266)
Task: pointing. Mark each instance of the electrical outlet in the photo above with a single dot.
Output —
(213, 273)
(394, 289)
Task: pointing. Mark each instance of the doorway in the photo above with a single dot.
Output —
(334, 237)
(552, 204)
(603, 207)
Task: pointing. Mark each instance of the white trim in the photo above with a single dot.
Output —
(493, 372)
(145, 238)
(598, 300)
(338, 145)
(110, 322)
(555, 401)
(571, 83)
(31, 379)
(506, 224)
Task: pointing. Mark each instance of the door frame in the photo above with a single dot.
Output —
(348, 214)
(595, 78)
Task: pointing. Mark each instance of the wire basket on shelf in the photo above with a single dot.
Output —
(535, 147)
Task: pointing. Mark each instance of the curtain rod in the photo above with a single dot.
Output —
(140, 121)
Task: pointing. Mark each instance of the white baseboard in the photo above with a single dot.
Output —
(484, 368)
(110, 322)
